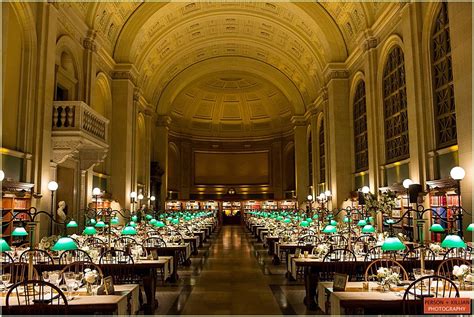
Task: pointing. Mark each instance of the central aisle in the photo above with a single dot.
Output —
(231, 281)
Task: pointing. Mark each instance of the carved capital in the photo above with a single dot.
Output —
(337, 74)
(136, 93)
(163, 121)
(298, 121)
(370, 43)
(89, 43)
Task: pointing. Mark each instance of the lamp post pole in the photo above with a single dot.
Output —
(52, 186)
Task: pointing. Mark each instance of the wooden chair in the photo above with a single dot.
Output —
(156, 242)
(153, 233)
(457, 253)
(125, 241)
(36, 298)
(115, 257)
(386, 263)
(445, 268)
(18, 272)
(337, 255)
(39, 256)
(415, 254)
(71, 256)
(6, 258)
(338, 261)
(428, 286)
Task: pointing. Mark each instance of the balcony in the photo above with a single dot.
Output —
(79, 133)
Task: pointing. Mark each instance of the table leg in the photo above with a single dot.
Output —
(149, 285)
(310, 284)
(276, 260)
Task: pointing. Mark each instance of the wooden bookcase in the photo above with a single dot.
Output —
(16, 197)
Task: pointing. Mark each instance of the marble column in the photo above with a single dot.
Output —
(122, 137)
(90, 69)
(161, 140)
(301, 159)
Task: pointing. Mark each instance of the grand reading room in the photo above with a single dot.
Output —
(236, 158)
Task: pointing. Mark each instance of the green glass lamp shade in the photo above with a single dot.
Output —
(346, 220)
(92, 221)
(159, 224)
(64, 244)
(368, 229)
(187, 218)
(316, 216)
(453, 241)
(333, 223)
(148, 217)
(436, 227)
(19, 232)
(362, 223)
(89, 231)
(152, 221)
(279, 218)
(132, 224)
(72, 224)
(100, 224)
(129, 231)
(134, 218)
(304, 223)
(169, 218)
(175, 221)
(393, 244)
(309, 220)
(470, 227)
(287, 220)
(330, 216)
(390, 221)
(4, 246)
(371, 219)
(330, 229)
(114, 221)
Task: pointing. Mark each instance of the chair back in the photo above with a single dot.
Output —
(156, 242)
(415, 254)
(35, 297)
(428, 286)
(446, 267)
(115, 257)
(457, 253)
(18, 271)
(337, 255)
(308, 239)
(337, 240)
(94, 242)
(386, 263)
(71, 256)
(39, 256)
(80, 266)
(374, 253)
(6, 258)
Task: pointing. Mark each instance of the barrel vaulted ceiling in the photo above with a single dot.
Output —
(284, 46)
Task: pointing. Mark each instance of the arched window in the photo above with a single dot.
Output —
(322, 154)
(310, 160)
(395, 107)
(360, 129)
(443, 87)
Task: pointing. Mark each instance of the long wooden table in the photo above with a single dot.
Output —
(355, 300)
(174, 250)
(123, 302)
(146, 269)
(313, 267)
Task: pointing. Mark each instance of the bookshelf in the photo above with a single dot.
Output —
(270, 205)
(443, 197)
(16, 197)
(192, 205)
(173, 205)
(252, 205)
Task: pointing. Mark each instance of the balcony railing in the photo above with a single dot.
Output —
(78, 116)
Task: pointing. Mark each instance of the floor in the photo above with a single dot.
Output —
(232, 275)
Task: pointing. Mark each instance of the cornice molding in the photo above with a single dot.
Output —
(125, 71)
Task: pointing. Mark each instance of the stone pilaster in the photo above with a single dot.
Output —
(161, 140)
(301, 158)
(338, 136)
(90, 57)
(122, 137)
(460, 25)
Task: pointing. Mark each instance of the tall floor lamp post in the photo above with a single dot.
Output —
(457, 173)
(52, 186)
(133, 196)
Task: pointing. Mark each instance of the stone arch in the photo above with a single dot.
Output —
(356, 80)
(69, 68)
(102, 95)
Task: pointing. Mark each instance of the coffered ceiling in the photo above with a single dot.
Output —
(292, 42)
